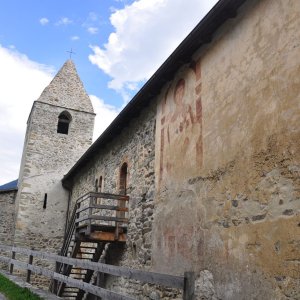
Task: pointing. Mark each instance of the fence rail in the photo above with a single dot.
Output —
(185, 283)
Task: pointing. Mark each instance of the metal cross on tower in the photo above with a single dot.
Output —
(71, 52)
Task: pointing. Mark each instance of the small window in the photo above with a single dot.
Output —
(100, 184)
(123, 179)
(64, 120)
(45, 201)
(96, 185)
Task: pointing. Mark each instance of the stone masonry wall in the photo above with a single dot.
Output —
(7, 216)
(135, 145)
(227, 162)
(47, 157)
(227, 166)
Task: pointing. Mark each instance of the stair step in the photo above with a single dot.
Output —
(77, 273)
(84, 256)
(88, 247)
(74, 294)
(70, 294)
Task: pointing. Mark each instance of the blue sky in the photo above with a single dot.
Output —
(119, 44)
(45, 30)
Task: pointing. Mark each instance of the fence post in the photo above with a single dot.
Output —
(90, 211)
(11, 267)
(99, 283)
(30, 260)
(189, 286)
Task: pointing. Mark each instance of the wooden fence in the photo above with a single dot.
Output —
(185, 283)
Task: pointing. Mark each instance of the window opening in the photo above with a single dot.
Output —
(123, 188)
(100, 184)
(123, 179)
(96, 185)
(64, 120)
(45, 201)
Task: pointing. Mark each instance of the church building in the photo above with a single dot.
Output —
(199, 172)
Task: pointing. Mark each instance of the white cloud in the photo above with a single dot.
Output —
(75, 38)
(64, 21)
(44, 21)
(145, 34)
(22, 81)
(92, 30)
(104, 115)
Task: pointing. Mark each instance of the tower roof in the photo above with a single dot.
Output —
(66, 90)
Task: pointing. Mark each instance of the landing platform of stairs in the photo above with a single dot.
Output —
(20, 282)
(100, 233)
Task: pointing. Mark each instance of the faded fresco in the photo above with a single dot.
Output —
(234, 211)
(180, 127)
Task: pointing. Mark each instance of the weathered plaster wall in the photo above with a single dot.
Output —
(134, 145)
(7, 215)
(46, 158)
(227, 164)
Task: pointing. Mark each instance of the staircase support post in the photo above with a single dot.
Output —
(189, 286)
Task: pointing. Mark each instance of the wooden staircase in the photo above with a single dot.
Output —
(97, 219)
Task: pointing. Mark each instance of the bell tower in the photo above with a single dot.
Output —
(59, 130)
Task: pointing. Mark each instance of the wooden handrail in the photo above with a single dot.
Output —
(86, 209)
(70, 231)
(185, 283)
(102, 218)
(109, 196)
(105, 207)
(90, 211)
(102, 195)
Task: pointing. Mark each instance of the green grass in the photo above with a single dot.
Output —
(14, 292)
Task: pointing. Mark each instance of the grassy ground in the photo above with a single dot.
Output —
(14, 292)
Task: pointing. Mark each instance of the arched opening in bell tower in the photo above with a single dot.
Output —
(64, 120)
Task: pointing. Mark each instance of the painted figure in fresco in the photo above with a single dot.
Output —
(182, 110)
(180, 131)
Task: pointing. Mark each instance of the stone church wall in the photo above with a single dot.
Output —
(135, 146)
(7, 216)
(228, 159)
(226, 194)
(213, 167)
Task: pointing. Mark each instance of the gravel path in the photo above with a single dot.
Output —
(2, 297)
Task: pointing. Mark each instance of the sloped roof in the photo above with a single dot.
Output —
(200, 35)
(66, 90)
(10, 186)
